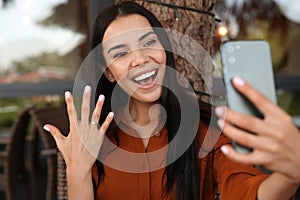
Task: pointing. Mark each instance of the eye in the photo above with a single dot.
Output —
(149, 43)
(119, 54)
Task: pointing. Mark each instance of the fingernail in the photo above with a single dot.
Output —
(225, 149)
(87, 89)
(219, 111)
(221, 123)
(46, 128)
(67, 94)
(111, 114)
(238, 81)
(101, 98)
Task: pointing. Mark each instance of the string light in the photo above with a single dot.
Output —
(222, 30)
(176, 14)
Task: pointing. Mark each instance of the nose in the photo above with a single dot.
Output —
(139, 58)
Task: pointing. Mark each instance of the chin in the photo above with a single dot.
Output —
(151, 97)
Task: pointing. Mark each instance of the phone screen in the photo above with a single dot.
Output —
(250, 60)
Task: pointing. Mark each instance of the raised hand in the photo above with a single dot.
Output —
(276, 140)
(81, 147)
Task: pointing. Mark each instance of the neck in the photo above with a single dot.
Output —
(143, 118)
(143, 113)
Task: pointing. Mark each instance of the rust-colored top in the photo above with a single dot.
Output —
(233, 180)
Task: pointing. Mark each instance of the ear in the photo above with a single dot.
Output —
(109, 75)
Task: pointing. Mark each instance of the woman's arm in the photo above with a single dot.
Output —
(80, 184)
(82, 145)
(275, 142)
(277, 186)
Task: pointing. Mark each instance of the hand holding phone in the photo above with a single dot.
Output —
(250, 60)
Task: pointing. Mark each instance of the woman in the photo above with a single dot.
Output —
(136, 64)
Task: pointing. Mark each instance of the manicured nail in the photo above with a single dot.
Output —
(220, 111)
(87, 89)
(225, 149)
(111, 114)
(46, 128)
(101, 98)
(238, 81)
(221, 123)
(67, 94)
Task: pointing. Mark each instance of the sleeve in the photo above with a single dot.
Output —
(235, 180)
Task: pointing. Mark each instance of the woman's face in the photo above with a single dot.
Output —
(135, 57)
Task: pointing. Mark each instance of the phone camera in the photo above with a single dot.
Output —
(230, 49)
(231, 59)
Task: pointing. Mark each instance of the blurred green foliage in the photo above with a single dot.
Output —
(9, 108)
(289, 101)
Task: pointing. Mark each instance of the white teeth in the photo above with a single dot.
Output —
(144, 76)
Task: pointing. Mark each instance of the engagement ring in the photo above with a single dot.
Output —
(94, 123)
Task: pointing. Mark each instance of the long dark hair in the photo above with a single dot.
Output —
(184, 172)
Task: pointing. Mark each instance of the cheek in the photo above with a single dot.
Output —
(161, 57)
(117, 70)
(117, 74)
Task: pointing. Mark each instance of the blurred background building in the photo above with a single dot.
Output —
(46, 41)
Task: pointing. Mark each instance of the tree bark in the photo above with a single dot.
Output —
(198, 26)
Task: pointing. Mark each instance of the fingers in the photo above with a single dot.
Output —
(256, 157)
(97, 111)
(72, 114)
(257, 98)
(55, 132)
(242, 137)
(243, 121)
(251, 131)
(107, 122)
(85, 110)
(85, 107)
(237, 157)
(273, 114)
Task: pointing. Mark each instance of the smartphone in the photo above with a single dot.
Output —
(250, 60)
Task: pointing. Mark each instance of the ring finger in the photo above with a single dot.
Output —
(97, 111)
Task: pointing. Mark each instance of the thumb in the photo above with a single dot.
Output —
(55, 132)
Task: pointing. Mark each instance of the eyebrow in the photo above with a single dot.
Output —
(115, 47)
(146, 35)
(123, 45)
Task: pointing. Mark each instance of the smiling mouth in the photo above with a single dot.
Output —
(145, 78)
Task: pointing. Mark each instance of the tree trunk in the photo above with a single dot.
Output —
(198, 26)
